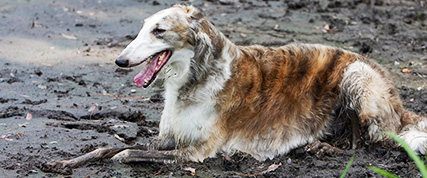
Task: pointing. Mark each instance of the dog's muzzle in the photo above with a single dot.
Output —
(122, 62)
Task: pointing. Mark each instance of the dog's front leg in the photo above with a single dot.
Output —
(158, 152)
(136, 155)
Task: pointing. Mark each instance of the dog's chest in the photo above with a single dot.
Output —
(189, 123)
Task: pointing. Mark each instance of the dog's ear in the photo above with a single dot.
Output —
(194, 15)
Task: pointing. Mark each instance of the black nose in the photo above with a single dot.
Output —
(122, 62)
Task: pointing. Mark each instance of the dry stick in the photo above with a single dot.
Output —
(93, 172)
(160, 171)
(100, 153)
(110, 95)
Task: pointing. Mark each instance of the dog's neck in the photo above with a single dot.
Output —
(210, 68)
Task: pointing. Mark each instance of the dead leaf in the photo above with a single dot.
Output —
(272, 167)
(70, 37)
(29, 116)
(191, 170)
(226, 157)
(119, 138)
(42, 86)
(23, 125)
(8, 139)
(20, 134)
(25, 96)
(406, 70)
(326, 29)
(120, 126)
(421, 87)
(269, 169)
(93, 107)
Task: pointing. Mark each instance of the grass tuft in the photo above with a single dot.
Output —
(418, 162)
(347, 167)
(382, 172)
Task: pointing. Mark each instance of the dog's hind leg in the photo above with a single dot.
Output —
(370, 93)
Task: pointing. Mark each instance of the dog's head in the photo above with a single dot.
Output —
(166, 37)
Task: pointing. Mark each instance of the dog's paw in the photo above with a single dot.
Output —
(417, 140)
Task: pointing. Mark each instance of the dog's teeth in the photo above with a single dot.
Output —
(162, 56)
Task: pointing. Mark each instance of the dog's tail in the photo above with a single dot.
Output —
(414, 131)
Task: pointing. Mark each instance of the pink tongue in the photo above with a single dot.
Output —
(143, 78)
(146, 74)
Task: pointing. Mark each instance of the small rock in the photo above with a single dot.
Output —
(38, 72)
(227, 2)
(156, 3)
(126, 130)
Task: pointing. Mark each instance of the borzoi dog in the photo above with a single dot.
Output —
(265, 101)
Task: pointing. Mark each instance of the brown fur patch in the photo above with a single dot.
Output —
(292, 88)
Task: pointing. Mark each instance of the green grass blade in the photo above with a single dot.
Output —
(347, 167)
(410, 152)
(382, 172)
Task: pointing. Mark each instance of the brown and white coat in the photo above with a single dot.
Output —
(265, 101)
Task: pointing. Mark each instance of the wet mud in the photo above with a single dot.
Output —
(62, 95)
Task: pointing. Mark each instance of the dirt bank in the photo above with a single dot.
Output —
(62, 96)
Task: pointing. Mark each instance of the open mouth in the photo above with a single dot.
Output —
(152, 68)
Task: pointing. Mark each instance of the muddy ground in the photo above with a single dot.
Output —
(62, 95)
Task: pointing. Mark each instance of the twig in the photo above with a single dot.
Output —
(120, 97)
(110, 95)
(160, 171)
(94, 172)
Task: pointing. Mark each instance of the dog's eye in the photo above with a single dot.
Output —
(158, 31)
